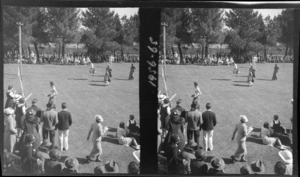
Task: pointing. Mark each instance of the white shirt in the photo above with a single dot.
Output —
(92, 65)
(197, 91)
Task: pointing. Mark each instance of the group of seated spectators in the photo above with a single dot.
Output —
(188, 157)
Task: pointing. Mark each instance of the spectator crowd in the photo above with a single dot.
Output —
(180, 150)
(30, 131)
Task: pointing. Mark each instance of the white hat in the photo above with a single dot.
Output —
(243, 118)
(99, 118)
(286, 156)
(9, 111)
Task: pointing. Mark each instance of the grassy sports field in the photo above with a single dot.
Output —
(230, 97)
(85, 96)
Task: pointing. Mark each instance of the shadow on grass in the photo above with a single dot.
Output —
(95, 81)
(256, 129)
(221, 79)
(241, 81)
(77, 79)
(254, 139)
(121, 79)
(98, 85)
(264, 79)
(80, 160)
(111, 139)
(111, 129)
(240, 85)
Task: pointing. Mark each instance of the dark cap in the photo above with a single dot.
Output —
(179, 101)
(34, 101)
(200, 154)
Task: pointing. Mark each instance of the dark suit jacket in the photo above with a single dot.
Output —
(64, 120)
(198, 167)
(209, 120)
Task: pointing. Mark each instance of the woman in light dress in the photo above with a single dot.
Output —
(123, 139)
(271, 141)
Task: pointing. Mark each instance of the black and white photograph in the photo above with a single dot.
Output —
(71, 90)
(226, 91)
(153, 88)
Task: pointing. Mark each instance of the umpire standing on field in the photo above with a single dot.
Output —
(193, 120)
(209, 122)
(64, 122)
(49, 119)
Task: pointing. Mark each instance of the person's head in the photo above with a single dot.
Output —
(122, 125)
(194, 106)
(99, 169)
(111, 167)
(64, 105)
(218, 163)
(208, 106)
(21, 100)
(133, 168)
(243, 119)
(266, 125)
(10, 87)
(245, 170)
(200, 154)
(166, 100)
(51, 83)
(99, 118)
(195, 84)
(72, 163)
(34, 101)
(131, 117)
(257, 167)
(49, 106)
(29, 139)
(275, 117)
(175, 139)
(178, 101)
(55, 154)
(286, 156)
(279, 168)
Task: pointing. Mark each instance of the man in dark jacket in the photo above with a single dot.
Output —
(178, 107)
(209, 122)
(49, 119)
(27, 153)
(38, 114)
(198, 166)
(52, 165)
(64, 122)
(193, 120)
(175, 163)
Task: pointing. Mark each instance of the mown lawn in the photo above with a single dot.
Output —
(85, 96)
(230, 97)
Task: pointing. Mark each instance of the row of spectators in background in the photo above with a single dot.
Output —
(225, 59)
(76, 59)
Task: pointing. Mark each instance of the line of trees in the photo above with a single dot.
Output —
(102, 31)
(247, 33)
